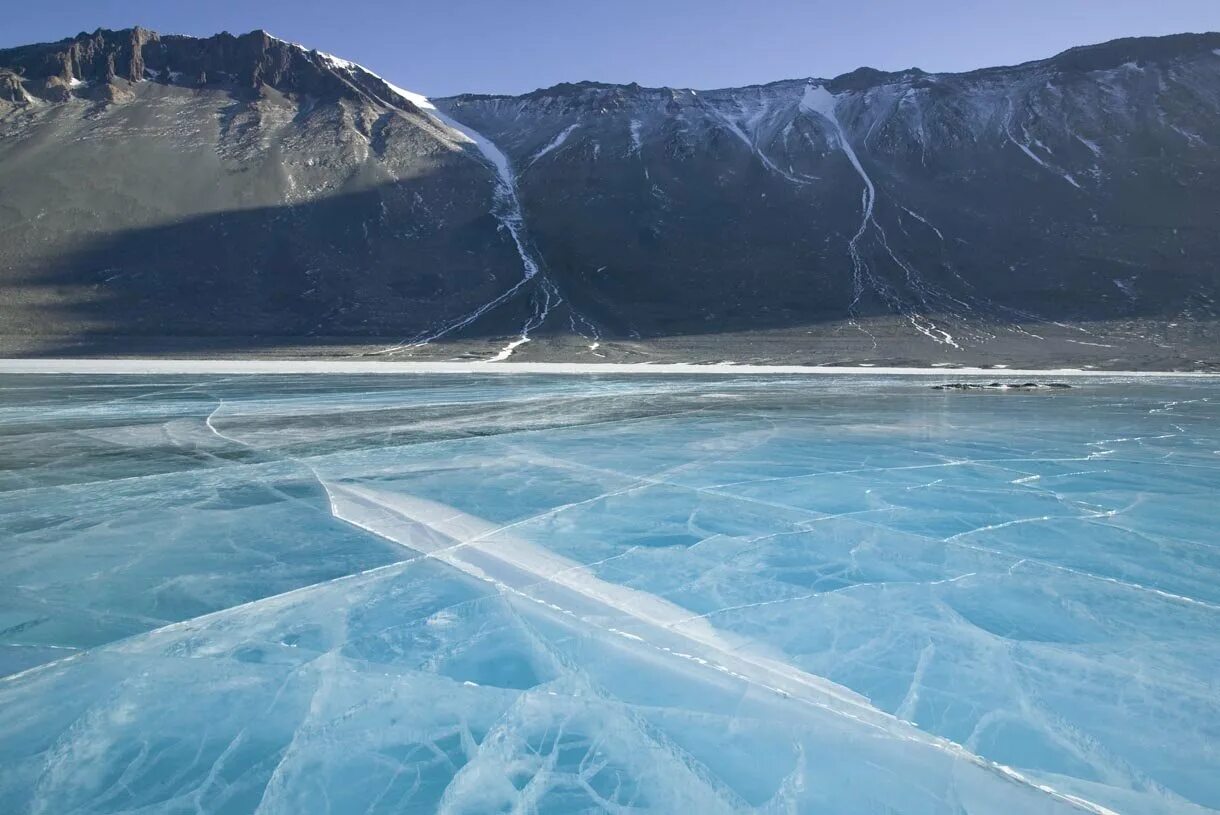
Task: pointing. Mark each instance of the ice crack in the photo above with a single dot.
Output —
(536, 575)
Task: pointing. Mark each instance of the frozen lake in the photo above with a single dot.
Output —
(483, 593)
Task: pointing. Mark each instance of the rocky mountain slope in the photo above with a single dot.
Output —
(231, 187)
(244, 192)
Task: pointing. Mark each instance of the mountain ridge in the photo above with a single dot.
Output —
(612, 219)
(1096, 56)
(1093, 56)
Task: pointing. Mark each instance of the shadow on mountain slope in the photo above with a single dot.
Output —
(347, 271)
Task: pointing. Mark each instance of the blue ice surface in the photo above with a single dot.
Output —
(702, 594)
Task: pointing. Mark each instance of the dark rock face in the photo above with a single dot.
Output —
(1078, 188)
(245, 186)
(102, 56)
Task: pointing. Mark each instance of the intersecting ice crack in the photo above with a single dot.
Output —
(920, 685)
(954, 540)
(815, 595)
(536, 575)
(208, 423)
(124, 400)
(578, 718)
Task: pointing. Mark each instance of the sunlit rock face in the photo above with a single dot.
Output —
(549, 594)
(231, 186)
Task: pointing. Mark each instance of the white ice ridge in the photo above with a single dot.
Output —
(520, 569)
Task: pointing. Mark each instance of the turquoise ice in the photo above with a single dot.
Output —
(687, 594)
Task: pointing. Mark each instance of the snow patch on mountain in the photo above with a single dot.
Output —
(1094, 148)
(819, 100)
(750, 139)
(923, 220)
(554, 144)
(506, 208)
(1025, 147)
(507, 186)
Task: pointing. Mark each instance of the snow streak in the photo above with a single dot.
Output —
(507, 209)
(752, 141)
(1027, 150)
(819, 100)
(636, 141)
(554, 144)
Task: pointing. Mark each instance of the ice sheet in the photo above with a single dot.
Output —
(560, 594)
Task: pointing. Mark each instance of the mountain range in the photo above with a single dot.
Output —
(245, 195)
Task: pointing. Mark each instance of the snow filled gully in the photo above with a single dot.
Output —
(644, 626)
(817, 99)
(509, 213)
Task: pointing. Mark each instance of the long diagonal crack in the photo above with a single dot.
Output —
(534, 574)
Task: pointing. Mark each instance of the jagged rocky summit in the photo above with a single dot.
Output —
(167, 194)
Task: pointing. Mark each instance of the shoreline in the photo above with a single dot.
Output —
(319, 366)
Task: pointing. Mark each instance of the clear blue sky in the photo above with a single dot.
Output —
(441, 47)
